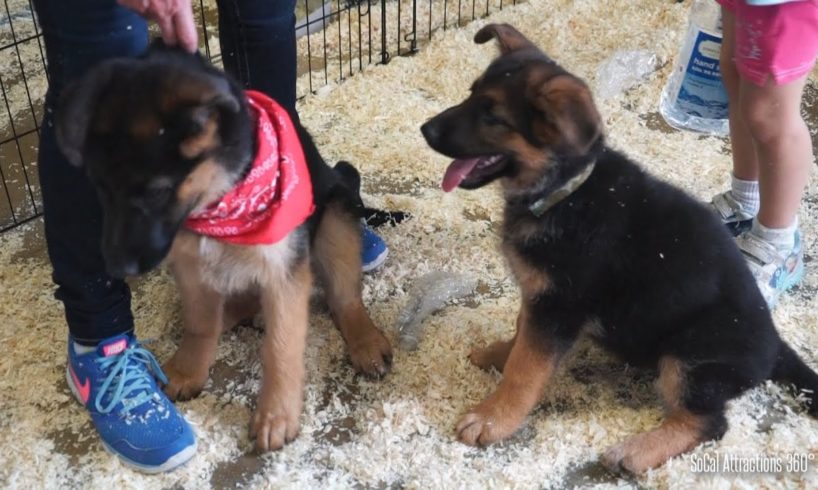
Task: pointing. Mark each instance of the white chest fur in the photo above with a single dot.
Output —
(232, 269)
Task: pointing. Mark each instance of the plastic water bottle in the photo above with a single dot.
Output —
(694, 97)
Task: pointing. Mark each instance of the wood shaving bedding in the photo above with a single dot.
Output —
(399, 431)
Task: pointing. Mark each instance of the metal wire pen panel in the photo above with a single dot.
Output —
(335, 40)
(23, 82)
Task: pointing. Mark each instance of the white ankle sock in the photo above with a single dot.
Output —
(745, 192)
(83, 349)
(782, 238)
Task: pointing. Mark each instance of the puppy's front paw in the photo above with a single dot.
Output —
(183, 382)
(371, 355)
(273, 427)
(485, 425)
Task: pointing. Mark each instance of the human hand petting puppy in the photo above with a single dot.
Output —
(175, 19)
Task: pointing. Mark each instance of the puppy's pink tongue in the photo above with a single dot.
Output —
(457, 171)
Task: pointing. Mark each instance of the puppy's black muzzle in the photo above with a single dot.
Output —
(431, 132)
(133, 243)
(454, 133)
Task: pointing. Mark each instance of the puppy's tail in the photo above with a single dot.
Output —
(374, 217)
(349, 176)
(790, 369)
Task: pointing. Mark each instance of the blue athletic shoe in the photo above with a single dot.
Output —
(133, 417)
(373, 249)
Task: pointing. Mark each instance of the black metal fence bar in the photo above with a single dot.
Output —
(353, 34)
(17, 44)
(22, 64)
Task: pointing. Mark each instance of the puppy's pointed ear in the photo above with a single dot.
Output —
(509, 38)
(569, 120)
(76, 109)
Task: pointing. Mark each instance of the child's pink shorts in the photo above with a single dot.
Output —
(777, 40)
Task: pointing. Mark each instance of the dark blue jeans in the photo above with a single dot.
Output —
(257, 39)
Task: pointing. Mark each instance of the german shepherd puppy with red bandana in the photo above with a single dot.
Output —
(232, 191)
(600, 247)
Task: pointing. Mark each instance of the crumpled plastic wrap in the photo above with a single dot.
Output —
(427, 295)
(623, 70)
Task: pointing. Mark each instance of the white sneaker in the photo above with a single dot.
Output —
(732, 213)
(775, 270)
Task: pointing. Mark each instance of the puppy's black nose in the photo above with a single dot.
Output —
(431, 131)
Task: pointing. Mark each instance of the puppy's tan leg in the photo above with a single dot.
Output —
(285, 307)
(338, 257)
(679, 432)
(527, 370)
(495, 354)
(202, 318)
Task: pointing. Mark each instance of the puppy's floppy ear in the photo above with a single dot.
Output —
(158, 48)
(76, 109)
(220, 95)
(509, 38)
(570, 121)
(211, 107)
(214, 105)
(216, 99)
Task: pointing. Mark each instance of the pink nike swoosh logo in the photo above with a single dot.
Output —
(83, 389)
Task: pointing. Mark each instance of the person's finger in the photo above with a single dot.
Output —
(138, 6)
(174, 18)
(167, 29)
(185, 29)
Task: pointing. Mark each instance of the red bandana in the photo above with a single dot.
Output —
(276, 196)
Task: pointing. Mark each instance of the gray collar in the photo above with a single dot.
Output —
(542, 205)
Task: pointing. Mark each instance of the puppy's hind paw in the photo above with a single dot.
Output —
(629, 457)
(612, 460)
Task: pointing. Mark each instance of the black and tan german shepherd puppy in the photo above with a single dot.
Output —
(166, 134)
(600, 247)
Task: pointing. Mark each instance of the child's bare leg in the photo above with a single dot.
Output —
(739, 205)
(772, 150)
(783, 147)
(745, 166)
(784, 153)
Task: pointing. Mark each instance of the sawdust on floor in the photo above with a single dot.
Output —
(399, 431)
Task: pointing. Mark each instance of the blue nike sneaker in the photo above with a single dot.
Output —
(373, 249)
(135, 420)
